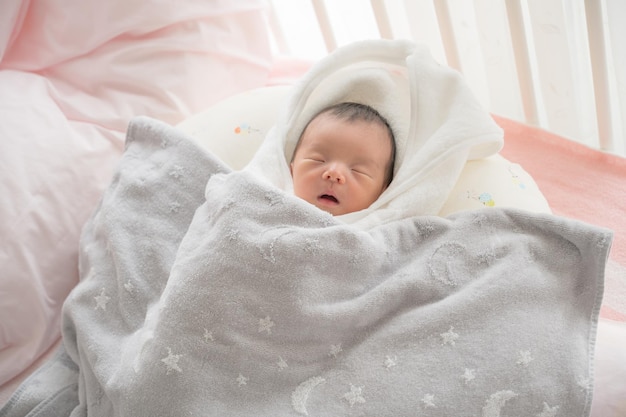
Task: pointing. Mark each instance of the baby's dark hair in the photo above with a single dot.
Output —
(353, 112)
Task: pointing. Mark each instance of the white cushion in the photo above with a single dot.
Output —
(234, 128)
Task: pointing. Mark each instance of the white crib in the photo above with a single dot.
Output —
(556, 64)
(73, 75)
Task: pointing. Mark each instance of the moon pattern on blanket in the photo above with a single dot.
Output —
(496, 402)
(449, 263)
(301, 394)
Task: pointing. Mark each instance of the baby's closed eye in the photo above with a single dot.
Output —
(362, 171)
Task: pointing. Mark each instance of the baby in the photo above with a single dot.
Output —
(344, 158)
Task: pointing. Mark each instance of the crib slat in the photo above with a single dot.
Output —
(457, 24)
(447, 34)
(422, 23)
(382, 19)
(564, 72)
(324, 23)
(523, 61)
(615, 18)
(498, 66)
(276, 30)
(599, 68)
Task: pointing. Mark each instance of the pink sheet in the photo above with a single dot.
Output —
(581, 183)
(72, 75)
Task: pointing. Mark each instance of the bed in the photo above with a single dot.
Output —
(222, 73)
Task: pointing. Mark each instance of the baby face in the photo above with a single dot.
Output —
(340, 166)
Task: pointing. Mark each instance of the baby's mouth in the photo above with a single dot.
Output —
(328, 198)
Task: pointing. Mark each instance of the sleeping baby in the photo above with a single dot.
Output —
(344, 158)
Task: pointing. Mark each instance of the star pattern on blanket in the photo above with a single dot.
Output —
(355, 259)
(233, 234)
(548, 411)
(469, 375)
(390, 362)
(584, 383)
(282, 364)
(171, 362)
(208, 336)
(177, 172)
(312, 245)
(354, 396)
(102, 300)
(525, 358)
(129, 287)
(265, 325)
(449, 337)
(274, 198)
(242, 380)
(228, 203)
(603, 241)
(174, 207)
(487, 258)
(428, 401)
(335, 350)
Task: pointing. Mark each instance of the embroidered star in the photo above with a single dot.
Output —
(265, 325)
(282, 364)
(449, 337)
(335, 350)
(242, 380)
(354, 396)
(177, 172)
(208, 336)
(232, 234)
(602, 241)
(312, 245)
(548, 411)
(171, 362)
(584, 383)
(429, 401)
(390, 362)
(174, 207)
(487, 258)
(228, 203)
(273, 199)
(102, 300)
(525, 358)
(129, 287)
(469, 375)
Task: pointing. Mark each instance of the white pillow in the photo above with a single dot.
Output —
(234, 128)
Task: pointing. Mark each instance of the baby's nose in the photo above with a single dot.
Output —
(335, 174)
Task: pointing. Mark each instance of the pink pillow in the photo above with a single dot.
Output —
(72, 75)
(12, 15)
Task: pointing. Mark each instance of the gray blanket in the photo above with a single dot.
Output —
(206, 292)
